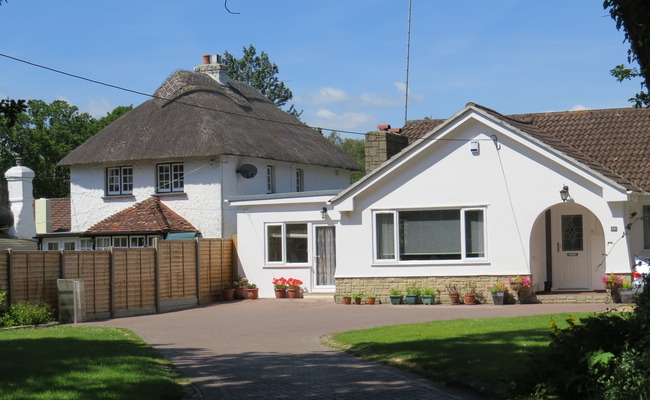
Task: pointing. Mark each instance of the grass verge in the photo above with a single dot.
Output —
(70, 362)
(481, 353)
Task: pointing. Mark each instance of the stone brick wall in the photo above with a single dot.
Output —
(382, 145)
(382, 286)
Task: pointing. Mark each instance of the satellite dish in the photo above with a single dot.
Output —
(247, 171)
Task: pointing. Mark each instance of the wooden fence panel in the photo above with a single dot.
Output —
(34, 275)
(93, 267)
(134, 281)
(4, 270)
(216, 264)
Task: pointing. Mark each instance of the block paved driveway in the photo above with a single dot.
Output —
(270, 348)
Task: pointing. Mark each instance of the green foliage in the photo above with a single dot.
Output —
(413, 290)
(11, 108)
(42, 135)
(428, 291)
(634, 17)
(395, 292)
(259, 72)
(355, 148)
(357, 296)
(23, 313)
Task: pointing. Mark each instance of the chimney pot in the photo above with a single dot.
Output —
(383, 127)
(19, 161)
(206, 59)
(395, 130)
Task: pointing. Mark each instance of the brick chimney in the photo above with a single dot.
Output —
(214, 68)
(383, 144)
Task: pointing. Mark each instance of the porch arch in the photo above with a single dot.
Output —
(571, 261)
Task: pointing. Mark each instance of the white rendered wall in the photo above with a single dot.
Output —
(21, 196)
(447, 174)
(207, 183)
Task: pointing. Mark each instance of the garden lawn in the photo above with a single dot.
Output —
(70, 362)
(487, 352)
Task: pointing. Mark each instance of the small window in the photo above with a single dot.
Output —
(270, 179)
(120, 241)
(287, 243)
(119, 181)
(170, 178)
(300, 183)
(646, 227)
(69, 246)
(85, 244)
(53, 246)
(138, 241)
(102, 243)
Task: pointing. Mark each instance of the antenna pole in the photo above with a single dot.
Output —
(408, 61)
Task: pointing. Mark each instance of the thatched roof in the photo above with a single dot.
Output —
(194, 116)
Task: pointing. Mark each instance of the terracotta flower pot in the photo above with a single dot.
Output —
(280, 293)
(228, 294)
(454, 298)
(293, 293)
(370, 300)
(357, 300)
(470, 299)
(239, 292)
(347, 300)
(253, 293)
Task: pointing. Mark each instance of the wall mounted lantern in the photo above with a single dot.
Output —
(323, 212)
(564, 193)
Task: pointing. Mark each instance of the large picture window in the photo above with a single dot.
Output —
(170, 178)
(287, 243)
(119, 181)
(423, 235)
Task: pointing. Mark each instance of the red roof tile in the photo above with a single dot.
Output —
(150, 215)
(614, 142)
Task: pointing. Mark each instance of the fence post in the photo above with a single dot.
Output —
(111, 290)
(156, 271)
(62, 263)
(198, 271)
(10, 276)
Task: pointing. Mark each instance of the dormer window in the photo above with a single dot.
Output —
(171, 178)
(119, 181)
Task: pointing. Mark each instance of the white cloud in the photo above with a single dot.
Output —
(329, 95)
(98, 107)
(579, 107)
(375, 100)
(346, 121)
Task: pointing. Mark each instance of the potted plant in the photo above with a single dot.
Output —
(253, 291)
(470, 293)
(347, 299)
(371, 298)
(280, 286)
(240, 285)
(520, 284)
(427, 296)
(395, 296)
(454, 294)
(228, 294)
(626, 293)
(612, 282)
(499, 292)
(357, 298)
(293, 288)
(412, 294)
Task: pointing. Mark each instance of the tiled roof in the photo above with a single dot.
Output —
(150, 215)
(614, 142)
(60, 215)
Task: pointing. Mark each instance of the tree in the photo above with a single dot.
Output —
(42, 135)
(259, 72)
(354, 148)
(11, 108)
(634, 17)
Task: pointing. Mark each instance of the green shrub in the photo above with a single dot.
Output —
(23, 313)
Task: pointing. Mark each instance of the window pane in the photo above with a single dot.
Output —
(138, 241)
(85, 244)
(274, 243)
(385, 236)
(103, 242)
(646, 227)
(120, 241)
(474, 234)
(113, 180)
(52, 246)
(178, 177)
(572, 233)
(127, 180)
(68, 246)
(430, 235)
(164, 176)
(296, 243)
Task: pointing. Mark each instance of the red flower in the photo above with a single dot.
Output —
(280, 283)
(294, 283)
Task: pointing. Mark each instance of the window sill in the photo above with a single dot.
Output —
(274, 266)
(170, 195)
(437, 263)
(119, 197)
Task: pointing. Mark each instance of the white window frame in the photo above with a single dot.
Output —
(283, 235)
(85, 244)
(53, 246)
(69, 246)
(103, 242)
(120, 241)
(300, 180)
(119, 180)
(137, 241)
(170, 178)
(270, 179)
(396, 238)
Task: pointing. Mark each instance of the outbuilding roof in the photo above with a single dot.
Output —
(192, 115)
(615, 142)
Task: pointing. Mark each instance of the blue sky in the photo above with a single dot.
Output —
(345, 61)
